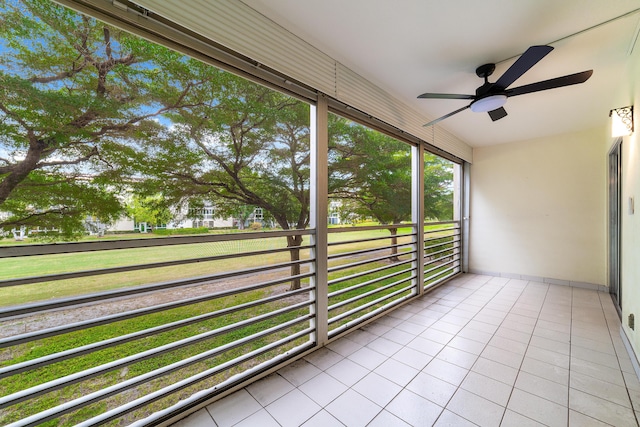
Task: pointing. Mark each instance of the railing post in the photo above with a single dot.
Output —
(417, 213)
(318, 215)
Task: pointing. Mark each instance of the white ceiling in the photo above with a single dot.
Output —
(408, 47)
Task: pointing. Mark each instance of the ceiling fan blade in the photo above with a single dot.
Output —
(522, 65)
(497, 114)
(433, 122)
(445, 96)
(571, 79)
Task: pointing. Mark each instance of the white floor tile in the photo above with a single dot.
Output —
(323, 419)
(413, 358)
(398, 336)
(323, 388)
(603, 389)
(293, 409)
(368, 358)
(465, 344)
(397, 372)
(384, 346)
(457, 357)
(199, 418)
(343, 409)
(475, 408)
(495, 370)
(446, 371)
(387, 419)
(299, 372)
(269, 389)
(432, 388)
(502, 356)
(492, 390)
(347, 372)
(438, 336)
(538, 409)
(546, 370)
(513, 419)
(344, 346)
(576, 419)
(233, 408)
(323, 358)
(378, 389)
(413, 409)
(262, 418)
(449, 419)
(600, 409)
(544, 388)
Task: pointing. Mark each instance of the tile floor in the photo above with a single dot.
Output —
(480, 350)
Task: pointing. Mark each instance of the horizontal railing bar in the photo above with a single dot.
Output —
(371, 292)
(365, 273)
(437, 245)
(367, 261)
(432, 261)
(67, 380)
(58, 330)
(187, 382)
(451, 238)
(369, 282)
(442, 230)
(369, 228)
(451, 249)
(122, 339)
(426, 224)
(111, 270)
(88, 399)
(369, 304)
(440, 273)
(107, 245)
(117, 293)
(352, 323)
(439, 280)
(366, 251)
(440, 265)
(370, 239)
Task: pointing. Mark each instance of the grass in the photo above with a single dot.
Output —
(72, 262)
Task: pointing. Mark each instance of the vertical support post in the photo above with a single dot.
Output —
(466, 188)
(319, 183)
(417, 213)
(456, 252)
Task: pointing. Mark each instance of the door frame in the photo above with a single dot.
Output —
(615, 224)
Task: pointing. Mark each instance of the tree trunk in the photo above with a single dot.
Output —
(21, 170)
(293, 243)
(394, 241)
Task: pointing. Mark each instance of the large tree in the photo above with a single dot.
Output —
(374, 170)
(249, 145)
(75, 94)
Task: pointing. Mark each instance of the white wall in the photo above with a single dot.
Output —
(538, 208)
(630, 274)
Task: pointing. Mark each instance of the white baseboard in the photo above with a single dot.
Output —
(549, 280)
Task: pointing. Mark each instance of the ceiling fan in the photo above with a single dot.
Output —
(490, 97)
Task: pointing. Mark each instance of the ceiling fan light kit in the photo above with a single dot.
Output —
(490, 97)
(489, 103)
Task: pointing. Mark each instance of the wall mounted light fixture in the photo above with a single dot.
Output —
(621, 121)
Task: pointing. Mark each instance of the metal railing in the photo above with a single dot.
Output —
(442, 252)
(75, 361)
(155, 323)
